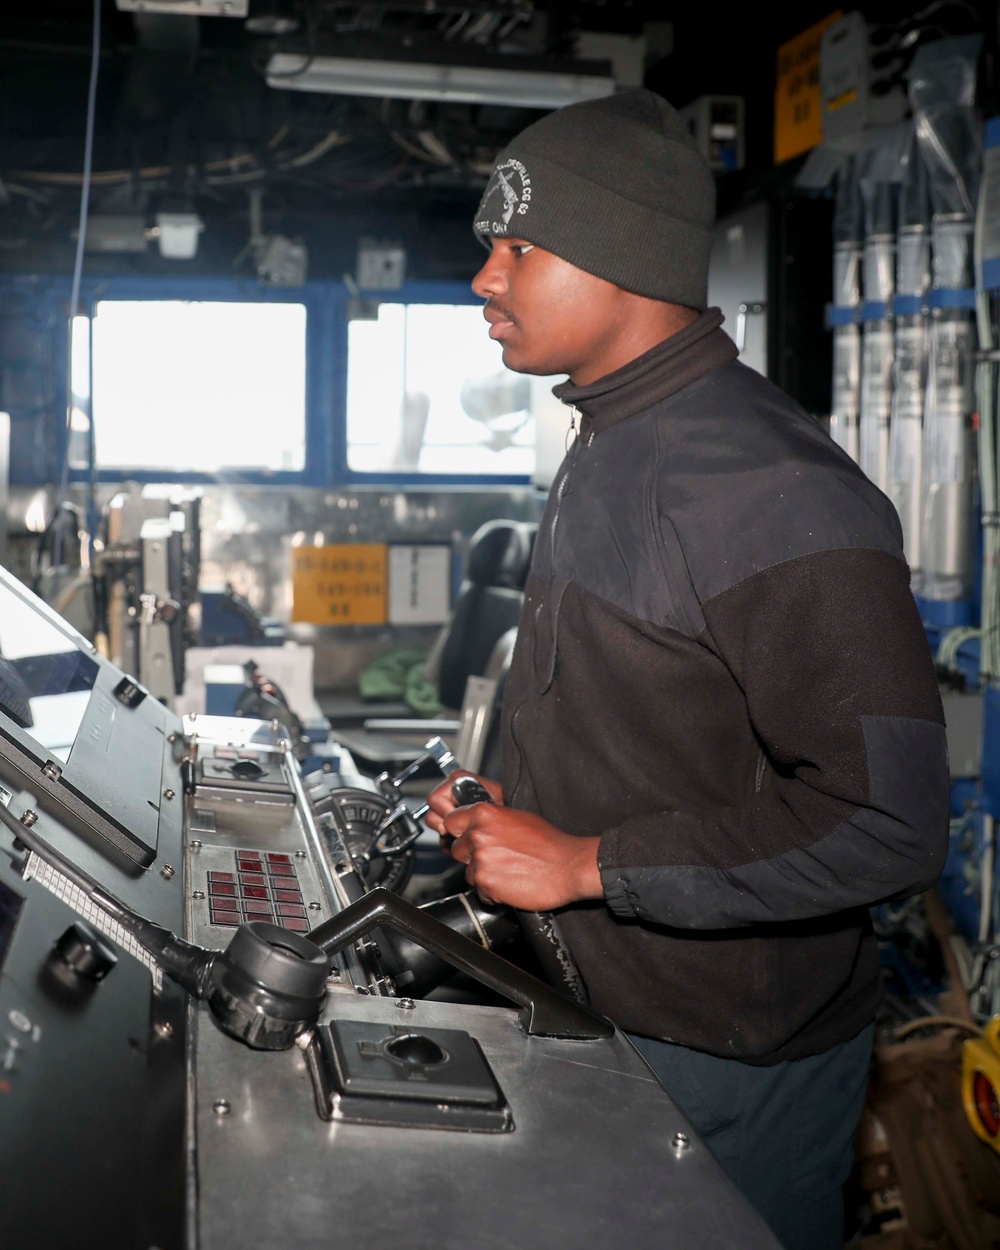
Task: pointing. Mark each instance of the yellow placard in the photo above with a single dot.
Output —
(340, 584)
(798, 105)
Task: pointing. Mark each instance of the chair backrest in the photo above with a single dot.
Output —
(488, 603)
(490, 749)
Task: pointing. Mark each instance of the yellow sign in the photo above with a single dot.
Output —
(340, 584)
(798, 105)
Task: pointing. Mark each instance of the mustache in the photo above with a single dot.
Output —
(499, 310)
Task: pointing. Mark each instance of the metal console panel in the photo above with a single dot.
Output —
(593, 1160)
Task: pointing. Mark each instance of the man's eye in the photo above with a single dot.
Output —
(522, 249)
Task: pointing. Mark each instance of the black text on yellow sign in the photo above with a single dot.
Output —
(798, 111)
(340, 584)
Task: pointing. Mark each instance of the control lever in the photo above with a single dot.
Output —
(545, 1011)
(541, 929)
(388, 839)
(399, 829)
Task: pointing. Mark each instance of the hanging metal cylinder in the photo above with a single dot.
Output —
(942, 92)
(909, 384)
(844, 313)
(949, 444)
(879, 286)
(876, 386)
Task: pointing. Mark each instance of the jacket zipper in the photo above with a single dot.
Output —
(571, 451)
(571, 448)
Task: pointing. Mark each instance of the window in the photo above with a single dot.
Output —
(427, 393)
(200, 379)
(192, 386)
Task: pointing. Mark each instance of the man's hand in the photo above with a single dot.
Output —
(442, 801)
(520, 859)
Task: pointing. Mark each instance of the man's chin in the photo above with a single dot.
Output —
(519, 361)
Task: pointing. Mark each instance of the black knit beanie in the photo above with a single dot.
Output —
(615, 186)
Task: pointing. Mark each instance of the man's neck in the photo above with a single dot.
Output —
(644, 323)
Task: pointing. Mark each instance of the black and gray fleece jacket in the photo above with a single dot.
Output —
(720, 670)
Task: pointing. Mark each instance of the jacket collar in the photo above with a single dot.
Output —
(662, 371)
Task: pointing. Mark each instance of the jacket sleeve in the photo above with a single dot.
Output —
(851, 801)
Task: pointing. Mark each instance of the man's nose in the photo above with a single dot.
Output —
(491, 279)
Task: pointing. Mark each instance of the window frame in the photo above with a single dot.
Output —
(319, 422)
(327, 306)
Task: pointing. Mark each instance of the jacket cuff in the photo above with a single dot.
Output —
(613, 883)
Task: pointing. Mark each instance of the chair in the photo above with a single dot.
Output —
(487, 609)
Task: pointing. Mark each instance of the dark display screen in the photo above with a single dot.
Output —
(45, 679)
(10, 907)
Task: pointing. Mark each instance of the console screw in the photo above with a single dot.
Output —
(406, 1004)
(314, 906)
(300, 854)
(52, 771)
(163, 1029)
(198, 894)
(680, 1141)
(167, 872)
(196, 844)
(168, 794)
(221, 1106)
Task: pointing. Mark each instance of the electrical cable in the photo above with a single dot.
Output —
(936, 1022)
(986, 401)
(81, 240)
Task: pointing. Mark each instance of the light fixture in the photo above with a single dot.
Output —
(338, 75)
(177, 234)
(272, 18)
(191, 8)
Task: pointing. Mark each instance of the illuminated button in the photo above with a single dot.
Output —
(225, 917)
(252, 878)
(221, 876)
(291, 909)
(288, 896)
(254, 891)
(275, 858)
(296, 926)
(281, 870)
(221, 888)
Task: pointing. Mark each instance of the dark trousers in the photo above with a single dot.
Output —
(783, 1134)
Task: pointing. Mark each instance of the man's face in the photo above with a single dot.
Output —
(551, 317)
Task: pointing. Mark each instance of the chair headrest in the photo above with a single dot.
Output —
(500, 553)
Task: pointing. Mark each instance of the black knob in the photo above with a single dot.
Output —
(268, 985)
(84, 952)
(468, 790)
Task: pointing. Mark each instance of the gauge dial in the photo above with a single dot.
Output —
(356, 815)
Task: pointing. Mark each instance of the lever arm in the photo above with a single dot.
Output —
(544, 1012)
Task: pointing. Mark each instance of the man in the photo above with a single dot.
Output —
(723, 739)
